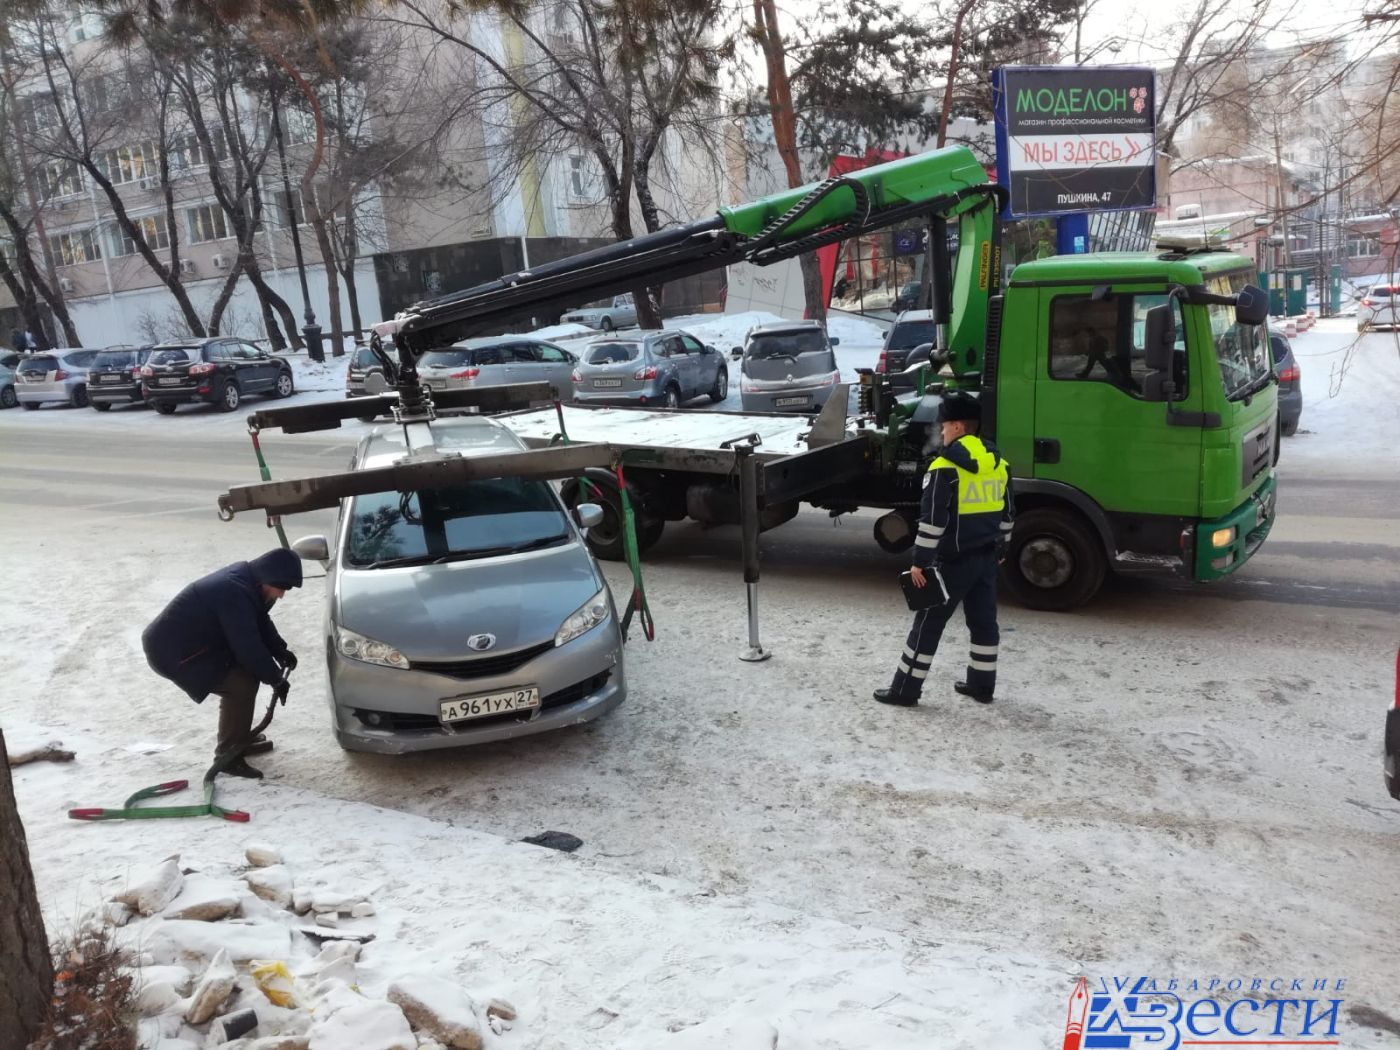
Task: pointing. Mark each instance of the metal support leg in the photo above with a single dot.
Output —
(748, 519)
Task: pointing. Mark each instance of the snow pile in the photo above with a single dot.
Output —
(559, 332)
(217, 964)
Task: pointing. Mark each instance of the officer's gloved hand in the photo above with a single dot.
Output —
(279, 692)
(1001, 552)
(289, 661)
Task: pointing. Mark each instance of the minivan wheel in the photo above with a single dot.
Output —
(8, 397)
(165, 408)
(79, 398)
(231, 398)
(284, 384)
(721, 387)
(1056, 561)
(673, 398)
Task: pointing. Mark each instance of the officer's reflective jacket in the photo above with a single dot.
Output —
(966, 505)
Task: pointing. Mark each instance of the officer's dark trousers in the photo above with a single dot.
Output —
(972, 581)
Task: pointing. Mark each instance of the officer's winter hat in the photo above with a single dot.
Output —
(278, 568)
(959, 408)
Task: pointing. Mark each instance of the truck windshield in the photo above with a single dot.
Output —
(1240, 348)
(480, 519)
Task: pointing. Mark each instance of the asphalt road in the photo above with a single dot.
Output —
(1154, 761)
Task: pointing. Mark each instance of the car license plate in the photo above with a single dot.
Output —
(606, 383)
(168, 381)
(109, 379)
(788, 402)
(462, 708)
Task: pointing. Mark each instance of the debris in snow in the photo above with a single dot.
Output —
(213, 989)
(281, 1042)
(51, 752)
(177, 977)
(114, 913)
(146, 747)
(156, 997)
(260, 856)
(327, 918)
(441, 1009)
(204, 899)
(301, 901)
(327, 899)
(325, 933)
(273, 884)
(335, 962)
(502, 1009)
(234, 1025)
(176, 940)
(345, 1019)
(560, 840)
(155, 888)
(363, 910)
(748, 1034)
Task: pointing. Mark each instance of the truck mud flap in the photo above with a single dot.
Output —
(1392, 739)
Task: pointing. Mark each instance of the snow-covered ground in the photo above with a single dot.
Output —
(1207, 801)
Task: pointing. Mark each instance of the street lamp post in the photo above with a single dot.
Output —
(310, 331)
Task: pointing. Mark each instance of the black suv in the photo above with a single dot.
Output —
(220, 371)
(115, 377)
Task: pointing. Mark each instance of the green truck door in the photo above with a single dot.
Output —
(1093, 430)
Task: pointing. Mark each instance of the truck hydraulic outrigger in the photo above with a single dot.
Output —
(932, 188)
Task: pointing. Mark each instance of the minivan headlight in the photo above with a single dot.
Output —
(585, 618)
(355, 646)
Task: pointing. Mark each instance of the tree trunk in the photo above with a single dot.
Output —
(651, 219)
(323, 242)
(25, 300)
(26, 971)
(346, 262)
(785, 136)
(268, 296)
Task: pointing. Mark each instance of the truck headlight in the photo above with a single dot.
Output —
(1223, 537)
(357, 647)
(585, 618)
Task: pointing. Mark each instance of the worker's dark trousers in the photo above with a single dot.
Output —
(971, 580)
(237, 695)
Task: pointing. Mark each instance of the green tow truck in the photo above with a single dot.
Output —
(1131, 393)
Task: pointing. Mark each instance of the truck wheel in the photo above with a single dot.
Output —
(1056, 561)
(606, 538)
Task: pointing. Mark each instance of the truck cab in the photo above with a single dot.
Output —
(1117, 463)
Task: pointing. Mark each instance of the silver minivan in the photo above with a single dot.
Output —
(665, 368)
(467, 614)
(789, 367)
(56, 375)
(498, 361)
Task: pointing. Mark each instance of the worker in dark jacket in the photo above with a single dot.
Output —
(216, 636)
(964, 527)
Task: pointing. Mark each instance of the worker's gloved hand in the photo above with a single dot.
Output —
(279, 692)
(1002, 548)
(289, 661)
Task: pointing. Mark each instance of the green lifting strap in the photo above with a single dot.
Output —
(274, 520)
(131, 809)
(637, 604)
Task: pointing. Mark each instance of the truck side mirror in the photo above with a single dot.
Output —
(1159, 339)
(1251, 305)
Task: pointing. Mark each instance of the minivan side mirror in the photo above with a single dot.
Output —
(709, 349)
(312, 548)
(736, 353)
(588, 515)
(1251, 305)
(834, 342)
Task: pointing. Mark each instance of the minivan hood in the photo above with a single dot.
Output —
(428, 612)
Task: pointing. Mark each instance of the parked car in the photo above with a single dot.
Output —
(788, 367)
(1379, 308)
(8, 397)
(115, 377)
(365, 377)
(908, 297)
(607, 314)
(666, 368)
(59, 375)
(911, 328)
(219, 371)
(1290, 392)
(467, 614)
(11, 359)
(498, 361)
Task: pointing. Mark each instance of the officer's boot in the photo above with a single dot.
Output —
(903, 691)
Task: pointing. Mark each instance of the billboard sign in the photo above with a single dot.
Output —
(1075, 138)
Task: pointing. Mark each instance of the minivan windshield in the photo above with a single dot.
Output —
(612, 353)
(169, 357)
(480, 519)
(1240, 348)
(782, 354)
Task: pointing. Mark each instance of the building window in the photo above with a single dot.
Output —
(38, 113)
(126, 164)
(287, 208)
(59, 180)
(1363, 244)
(185, 150)
(578, 175)
(153, 228)
(74, 247)
(84, 26)
(206, 223)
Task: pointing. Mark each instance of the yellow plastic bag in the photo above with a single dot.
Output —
(274, 980)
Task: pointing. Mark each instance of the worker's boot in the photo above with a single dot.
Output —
(239, 768)
(982, 696)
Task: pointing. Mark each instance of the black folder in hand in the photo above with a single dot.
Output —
(932, 594)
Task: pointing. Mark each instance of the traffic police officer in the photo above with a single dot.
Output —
(964, 525)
